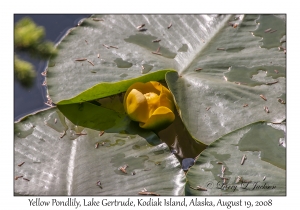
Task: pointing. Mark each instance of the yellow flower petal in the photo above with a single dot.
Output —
(149, 103)
(166, 91)
(133, 86)
(160, 119)
(144, 88)
(166, 98)
(137, 106)
(154, 87)
(153, 102)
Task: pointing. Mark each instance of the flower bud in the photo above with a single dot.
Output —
(151, 104)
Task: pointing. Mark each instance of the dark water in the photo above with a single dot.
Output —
(28, 100)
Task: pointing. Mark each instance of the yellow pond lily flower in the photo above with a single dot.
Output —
(151, 104)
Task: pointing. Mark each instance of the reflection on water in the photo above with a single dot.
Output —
(33, 99)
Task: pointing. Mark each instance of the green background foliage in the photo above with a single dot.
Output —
(29, 38)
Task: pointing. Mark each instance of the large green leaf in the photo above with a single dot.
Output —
(106, 114)
(235, 67)
(225, 94)
(71, 81)
(58, 164)
(264, 147)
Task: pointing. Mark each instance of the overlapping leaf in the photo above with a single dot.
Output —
(261, 173)
(60, 158)
(228, 92)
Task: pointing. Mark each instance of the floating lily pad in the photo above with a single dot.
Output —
(245, 154)
(219, 91)
(74, 162)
